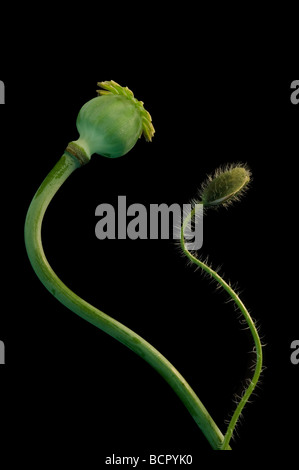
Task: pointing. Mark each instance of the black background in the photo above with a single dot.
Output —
(68, 386)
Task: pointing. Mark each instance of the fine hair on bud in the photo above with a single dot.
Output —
(226, 185)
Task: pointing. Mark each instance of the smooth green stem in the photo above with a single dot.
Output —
(250, 323)
(65, 167)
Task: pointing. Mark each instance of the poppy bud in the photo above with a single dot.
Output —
(225, 186)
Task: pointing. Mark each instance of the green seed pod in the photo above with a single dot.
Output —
(225, 186)
(111, 123)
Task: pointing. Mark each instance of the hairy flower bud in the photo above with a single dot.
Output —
(225, 186)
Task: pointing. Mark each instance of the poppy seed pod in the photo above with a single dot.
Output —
(111, 123)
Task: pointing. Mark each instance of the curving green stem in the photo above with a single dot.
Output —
(64, 168)
(250, 323)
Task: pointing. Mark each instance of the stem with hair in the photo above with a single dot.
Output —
(258, 347)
